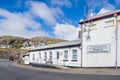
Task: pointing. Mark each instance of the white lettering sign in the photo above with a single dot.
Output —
(104, 48)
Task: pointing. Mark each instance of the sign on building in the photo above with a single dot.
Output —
(103, 48)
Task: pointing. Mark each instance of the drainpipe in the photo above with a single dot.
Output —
(81, 44)
(116, 61)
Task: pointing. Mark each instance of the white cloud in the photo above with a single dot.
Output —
(19, 24)
(101, 7)
(47, 14)
(66, 31)
(61, 3)
(107, 7)
(103, 10)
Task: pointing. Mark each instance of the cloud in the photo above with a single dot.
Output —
(101, 7)
(19, 24)
(66, 31)
(49, 15)
(103, 10)
(61, 3)
(107, 8)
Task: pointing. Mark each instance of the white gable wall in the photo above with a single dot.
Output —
(103, 35)
(118, 41)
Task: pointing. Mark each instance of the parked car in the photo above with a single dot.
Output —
(11, 58)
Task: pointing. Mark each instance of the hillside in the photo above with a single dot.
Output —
(13, 41)
(17, 42)
(9, 45)
(47, 40)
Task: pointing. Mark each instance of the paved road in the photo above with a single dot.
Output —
(11, 72)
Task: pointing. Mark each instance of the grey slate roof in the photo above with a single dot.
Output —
(59, 45)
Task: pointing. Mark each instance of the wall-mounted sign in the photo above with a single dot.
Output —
(103, 48)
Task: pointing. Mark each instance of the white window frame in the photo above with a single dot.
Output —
(45, 55)
(33, 58)
(50, 55)
(39, 55)
(66, 55)
(58, 55)
(74, 55)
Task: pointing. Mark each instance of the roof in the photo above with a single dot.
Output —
(110, 14)
(58, 45)
(25, 55)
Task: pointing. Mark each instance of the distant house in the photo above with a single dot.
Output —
(6, 46)
(26, 58)
(26, 44)
(31, 44)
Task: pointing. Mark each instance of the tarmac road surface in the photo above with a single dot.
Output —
(11, 72)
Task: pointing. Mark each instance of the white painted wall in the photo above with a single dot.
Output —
(102, 35)
(118, 40)
(56, 61)
(26, 61)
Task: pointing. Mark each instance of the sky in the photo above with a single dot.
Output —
(48, 18)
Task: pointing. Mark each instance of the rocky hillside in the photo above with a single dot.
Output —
(12, 41)
(47, 40)
(9, 45)
(17, 42)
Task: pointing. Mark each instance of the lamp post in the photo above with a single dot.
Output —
(116, 23)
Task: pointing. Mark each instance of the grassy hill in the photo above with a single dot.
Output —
(47, 40)
(17, 42)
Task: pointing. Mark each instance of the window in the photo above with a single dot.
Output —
(66, 55)
(39, 55)
(45, 56)
(26, 59)
(74, 55)
(50, 55)
(33, 57)
(58, 55)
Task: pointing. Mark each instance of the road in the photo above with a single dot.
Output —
(11, 72)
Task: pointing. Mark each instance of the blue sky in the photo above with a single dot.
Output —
(52, 18)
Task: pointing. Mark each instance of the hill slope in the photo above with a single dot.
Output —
(47, 40)
(17, 42)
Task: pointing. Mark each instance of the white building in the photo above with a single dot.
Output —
(101, 40)
(99, 45)
(26, 58)
(64, 53)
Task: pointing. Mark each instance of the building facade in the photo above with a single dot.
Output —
(64, 53)
(101, 40)
(99, 45)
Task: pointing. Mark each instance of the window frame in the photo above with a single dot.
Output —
(33, 58)
(45, 55)
(39, 55)
(50, 55)
(65, 55)
(57, 54)
(74, 55)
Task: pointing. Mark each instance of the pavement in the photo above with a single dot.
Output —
(98, 71)
(11, 71)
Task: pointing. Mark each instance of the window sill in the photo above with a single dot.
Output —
(74, 60)
(65, 60)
